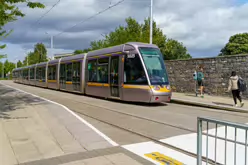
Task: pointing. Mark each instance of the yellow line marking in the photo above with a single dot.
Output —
(166, 160)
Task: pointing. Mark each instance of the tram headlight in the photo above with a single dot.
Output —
(157, 88)
(168, 87)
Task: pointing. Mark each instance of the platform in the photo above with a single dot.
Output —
(167, 123)
(218, 102)
(34, 131)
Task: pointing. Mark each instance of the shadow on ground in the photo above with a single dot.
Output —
(11, 100)
(225, 104)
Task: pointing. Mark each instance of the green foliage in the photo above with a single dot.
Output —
(135, 32)
(38, 55)
(81, 51)
(175, 50)
(238, 44)
(9, 12)
(19, 64)
(8, 67)
(78, 51)
(3, 56)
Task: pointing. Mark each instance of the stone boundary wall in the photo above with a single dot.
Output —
(217, 71)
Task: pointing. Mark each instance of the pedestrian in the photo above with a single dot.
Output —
(200, 80)
(233, 86)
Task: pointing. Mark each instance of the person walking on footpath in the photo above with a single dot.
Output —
(200, 79)
(234, 87)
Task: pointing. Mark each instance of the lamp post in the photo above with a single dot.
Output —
(151, 22)
(16, 60)
(51, 38)
(25, 51)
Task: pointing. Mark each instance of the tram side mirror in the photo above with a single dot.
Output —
(195, 75)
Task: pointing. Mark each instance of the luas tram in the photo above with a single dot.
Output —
(130, 72)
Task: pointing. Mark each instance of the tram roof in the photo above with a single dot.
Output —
(70, 58)
(32, 66)
(56, 61)
(41, 64)
(120, 48)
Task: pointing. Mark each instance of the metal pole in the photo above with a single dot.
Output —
(27, 59)
(151, 22)
(199, 141)
(52, 47)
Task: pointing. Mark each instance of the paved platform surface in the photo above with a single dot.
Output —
(213, 101)
(36, 132)
(171, 117)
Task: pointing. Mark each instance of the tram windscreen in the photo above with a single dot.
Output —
(155, 66)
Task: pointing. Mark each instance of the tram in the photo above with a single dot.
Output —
(133, 72)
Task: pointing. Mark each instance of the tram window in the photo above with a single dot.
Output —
(102, 70)
(26, 74)
(62, 72)
(69, 72)
(31, 73)
(52, 72)
(103, 61)
(43, 73)
(37, 73)
(134, 71)
(76, 69)
(92, 77)
(102, 76)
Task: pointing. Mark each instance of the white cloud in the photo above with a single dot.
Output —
(203, 26)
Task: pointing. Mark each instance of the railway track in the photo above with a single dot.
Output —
(80, 112)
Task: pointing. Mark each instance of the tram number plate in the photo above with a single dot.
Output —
(166, 160)
(131, 56)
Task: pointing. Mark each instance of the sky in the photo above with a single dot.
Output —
(203, 26)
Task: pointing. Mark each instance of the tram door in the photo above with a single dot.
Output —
(76, 76)
(114, 77)
(62, 80)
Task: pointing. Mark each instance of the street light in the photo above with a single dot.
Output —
(51, 44)
(25, 51)
(151, 22)
(16, 60)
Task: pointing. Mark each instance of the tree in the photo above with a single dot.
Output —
(135, 32)
(174, 50)
(78, 52)
(238, 44)
(10, 12)
(40, 52)
(81, 51)
(9, 66)
(38, 55)
(19, 64)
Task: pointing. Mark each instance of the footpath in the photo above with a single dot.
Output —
(217, 102)
(34, 131)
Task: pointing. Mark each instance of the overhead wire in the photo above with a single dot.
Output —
(83, 21)
(42, 16)
(100, 12)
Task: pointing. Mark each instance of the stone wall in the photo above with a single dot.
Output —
(217, 71)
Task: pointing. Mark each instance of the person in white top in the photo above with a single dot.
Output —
(233, 86)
